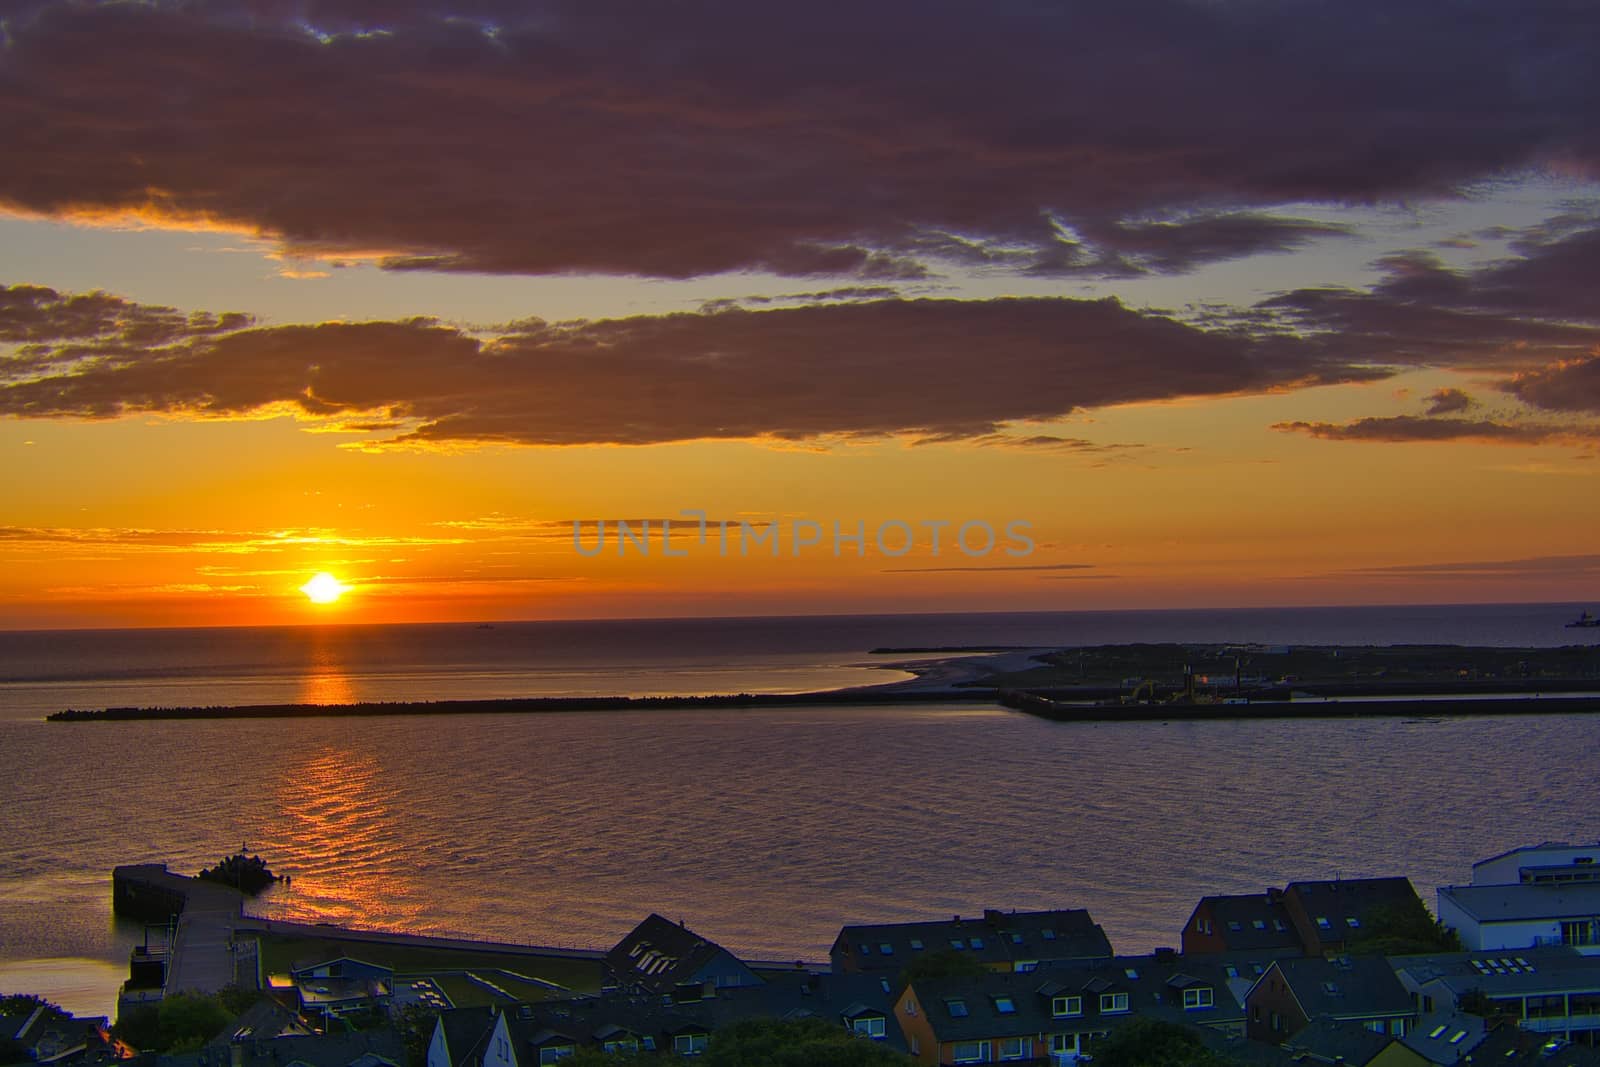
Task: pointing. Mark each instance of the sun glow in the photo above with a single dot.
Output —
(324, 589)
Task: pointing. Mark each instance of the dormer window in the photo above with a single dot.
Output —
(1113, 1003)
(1198, 997)
(869, 1026)
(1065, 1007)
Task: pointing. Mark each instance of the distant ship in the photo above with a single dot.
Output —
(1584, 621)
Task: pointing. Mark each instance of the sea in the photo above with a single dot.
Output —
(765, 830)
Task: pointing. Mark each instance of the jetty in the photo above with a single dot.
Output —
(203, 951)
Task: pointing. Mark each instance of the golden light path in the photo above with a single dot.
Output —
(324, 588)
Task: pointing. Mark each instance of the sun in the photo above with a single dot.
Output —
(324, 589)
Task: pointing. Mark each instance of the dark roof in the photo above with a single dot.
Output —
(1257, 921)
(1346, 899)
(1507, 972)
(1154, 986)
(659, 954)
(994, 937)
(1445, 1037)
(1513, 903)
(466, 1032)
(592, 1020)
(1345, 987)
(1514, 1047)
(364, 1047)
(1331, 1041)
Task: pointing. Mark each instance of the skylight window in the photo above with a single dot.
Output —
(1016, 939)
(957, 1007)
(1436, 1031)
(886, 949)
(976, 942)
(916, 944)
(1323, 923)
(956, 942)
(1259, 924)
(1048, 934)
(1353, 922)
(1005, 1005)
(1455, 1038)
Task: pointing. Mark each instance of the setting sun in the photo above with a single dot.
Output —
(324, 589)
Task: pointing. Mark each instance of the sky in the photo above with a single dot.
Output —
(920, 306)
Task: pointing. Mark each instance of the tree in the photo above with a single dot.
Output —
(180, 1023)
(27, 1003)
(1152, 1043)
(416, 1023)
(809, 1042)
(1405, 929)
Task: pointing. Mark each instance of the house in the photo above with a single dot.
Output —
(1546, 864)
(342, 986)
(1447, 1038)
(460, 1037)
(1524, 914)
(1255, 923)
(1330, 1041)
(57, 1037)
(659, 956)
(382, 1047)
(1056, 1014)
(1360, 989)
(681, 1022)
(1000, 940)
(1331, 916)
(1508, 1046)
(1555, 992)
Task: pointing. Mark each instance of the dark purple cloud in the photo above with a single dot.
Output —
(822, 138)
(1406, 428)
(1572, 385)
(1449, 402)
(946, 369)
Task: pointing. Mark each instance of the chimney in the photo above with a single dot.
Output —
(956, 918)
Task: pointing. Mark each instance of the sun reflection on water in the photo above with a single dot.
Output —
(343, 843)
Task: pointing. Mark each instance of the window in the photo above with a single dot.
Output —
(969, 1052)
(883, 983)
(1016, 939)
(866, 950)
(649, 1043)
(916, 944)
(1025, 965)
(1067, 1043)
(1277, 1022)
(916, 1047)
(621, 1045)
(886, 949)
(956, 942)
(689, 1044)
(1581, 932)
(1375, 1025)
(1062, 1007)
(1197, 998)
(556, 1053)
(1352, 922)
(1232, 971)
(1233, 924)
(956, 1007)
(1048, 934)
(868, 1026)
(1013, 1048)
(1131, 972)
(1259, 924)
(976, 942)
(1277, 924)
(911, 1006)
(1110, 1003)
(1456, 1038)
(1323, 923)
(1005, 1006)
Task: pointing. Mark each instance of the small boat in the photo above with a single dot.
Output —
(1584, 621)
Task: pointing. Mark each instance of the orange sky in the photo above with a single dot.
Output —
(409, 343)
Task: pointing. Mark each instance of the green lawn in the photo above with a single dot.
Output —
(279, 954)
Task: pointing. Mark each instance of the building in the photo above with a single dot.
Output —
(1546, 864)
(1256, 924)
(1447, 1038)
(1360, 989)
(1330, 1041)
(1523, 915)
(660, 956)
(1555, 992)
(382, 1047)
(681, 1022)
(1331, 916)
(1057, 1014)
(460, 1037)
(344, 986)
(1000, 940)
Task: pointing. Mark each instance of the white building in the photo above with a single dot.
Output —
(1546, 864)
(1523, 915)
